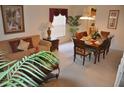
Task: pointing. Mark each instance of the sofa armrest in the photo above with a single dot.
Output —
(45, 43)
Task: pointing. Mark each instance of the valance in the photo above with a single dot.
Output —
(56, 11)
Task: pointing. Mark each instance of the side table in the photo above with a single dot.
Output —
(54, 43)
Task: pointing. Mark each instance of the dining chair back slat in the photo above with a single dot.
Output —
(105, 34)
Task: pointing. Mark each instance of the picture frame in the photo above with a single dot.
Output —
(13, 18)
(113, 19)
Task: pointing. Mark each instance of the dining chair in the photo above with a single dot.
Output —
(79, 35)
(104, 34)
(80, 49)
(109, 44)
(102, 48)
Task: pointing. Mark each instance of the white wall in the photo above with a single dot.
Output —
(102, 20)
(34, 15)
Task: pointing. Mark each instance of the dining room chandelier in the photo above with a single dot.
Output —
(88, 14)
(87, 18)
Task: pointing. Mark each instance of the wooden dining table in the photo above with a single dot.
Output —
(93, 45)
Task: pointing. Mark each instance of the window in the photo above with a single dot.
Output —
(58, 18)
(59, 26)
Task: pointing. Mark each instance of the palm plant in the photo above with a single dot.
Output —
(73, 22)
(30, 71)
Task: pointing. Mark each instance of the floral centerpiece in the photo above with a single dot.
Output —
(96, 35)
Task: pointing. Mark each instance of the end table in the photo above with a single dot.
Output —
(54, 43)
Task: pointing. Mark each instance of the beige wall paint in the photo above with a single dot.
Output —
(102, 19)
(34, 16)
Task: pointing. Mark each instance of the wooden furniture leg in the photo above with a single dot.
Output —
(95, 54)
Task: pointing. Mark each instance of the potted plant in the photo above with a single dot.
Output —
(73, 22)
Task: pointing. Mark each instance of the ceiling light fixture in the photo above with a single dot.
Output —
(87, 18)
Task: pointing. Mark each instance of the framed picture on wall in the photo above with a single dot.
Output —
(113, 19)
(13, 18)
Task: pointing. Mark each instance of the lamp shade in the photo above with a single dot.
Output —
(49, 25)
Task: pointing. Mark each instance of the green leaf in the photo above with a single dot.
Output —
(39, 64)
(43, 62)
(54, 60)
(2, 75)
(18, 81)
(12, 84)
(25, 80)
(26, 76)
(4, 83)
(36, 68)
(24, 69)
(42, 66)
(33, 70)
(7, 64)
(48, 60)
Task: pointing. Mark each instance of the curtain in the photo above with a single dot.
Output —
(56, 11)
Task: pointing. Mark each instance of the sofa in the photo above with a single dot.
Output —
(35, 44)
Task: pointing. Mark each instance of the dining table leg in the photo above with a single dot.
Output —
(95, 54)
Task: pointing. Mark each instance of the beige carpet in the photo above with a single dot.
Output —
(72, 74)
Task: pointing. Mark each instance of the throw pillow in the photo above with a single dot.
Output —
(30, 42)
(23, 45)
(14, 44)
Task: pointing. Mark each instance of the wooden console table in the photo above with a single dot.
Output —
(54, 43)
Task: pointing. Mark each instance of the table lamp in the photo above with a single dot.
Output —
(49, 30)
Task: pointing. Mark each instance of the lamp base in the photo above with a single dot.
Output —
(48, 38)
(49, 33)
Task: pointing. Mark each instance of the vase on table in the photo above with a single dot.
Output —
(49, 33)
